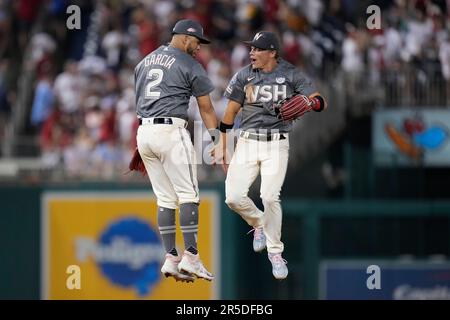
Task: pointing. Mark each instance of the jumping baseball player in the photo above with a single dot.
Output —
(164, 81)
(263, 144)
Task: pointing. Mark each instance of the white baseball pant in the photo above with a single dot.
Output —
(169, 159)
(270, 158)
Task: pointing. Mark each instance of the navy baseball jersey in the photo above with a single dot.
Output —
(165, 80)
(257, 91)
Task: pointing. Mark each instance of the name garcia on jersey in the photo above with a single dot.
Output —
(159, 59)
(265, 93)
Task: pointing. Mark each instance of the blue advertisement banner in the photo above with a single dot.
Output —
(382, 280)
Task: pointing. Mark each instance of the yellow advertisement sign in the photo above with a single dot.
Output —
(107, 246)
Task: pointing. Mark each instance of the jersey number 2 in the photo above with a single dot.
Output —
(156, 75)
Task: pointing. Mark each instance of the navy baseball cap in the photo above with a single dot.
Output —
(191, 28)
(265, 40)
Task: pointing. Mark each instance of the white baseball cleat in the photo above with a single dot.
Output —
(170, 269)
(191, 263)
(259, 239)
(279, 268)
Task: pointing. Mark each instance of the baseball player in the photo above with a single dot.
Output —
(164, 81)
(263, 144)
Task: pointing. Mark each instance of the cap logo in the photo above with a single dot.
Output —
(191, 30)
(257, 36)
(280, 80)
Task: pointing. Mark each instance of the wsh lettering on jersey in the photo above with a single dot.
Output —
(265, 93)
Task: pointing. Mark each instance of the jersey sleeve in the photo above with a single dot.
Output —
(303, 84)
(135, 85)
(235, 89)
(201, 85)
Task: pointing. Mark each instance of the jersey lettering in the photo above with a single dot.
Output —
(163, 60)
(265, 93)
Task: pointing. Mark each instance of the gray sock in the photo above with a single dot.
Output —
(189, 225)
(167, 228)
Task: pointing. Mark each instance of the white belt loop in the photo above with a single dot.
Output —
(147, 121)
(246, 134)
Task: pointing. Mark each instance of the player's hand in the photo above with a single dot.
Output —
(293, 107)
(225, 167)
(136, 163)
(219, 156)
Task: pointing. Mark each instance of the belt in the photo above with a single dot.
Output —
(263, 137)
(162, 120)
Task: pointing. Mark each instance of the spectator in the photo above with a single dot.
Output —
(44, 100)
(68, 86)
(147, 32)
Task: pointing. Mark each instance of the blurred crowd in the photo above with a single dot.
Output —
(82, 106)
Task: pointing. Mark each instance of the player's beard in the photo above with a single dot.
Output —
(191, 50)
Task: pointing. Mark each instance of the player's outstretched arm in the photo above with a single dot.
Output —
(225, 125)
(207, 112)
(231, 111)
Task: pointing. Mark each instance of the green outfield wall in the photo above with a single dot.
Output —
(312, 231)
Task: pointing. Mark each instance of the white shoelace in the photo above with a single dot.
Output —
(258, 233)
(278, 259)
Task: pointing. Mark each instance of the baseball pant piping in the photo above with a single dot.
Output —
(189, 161)
(273, 173)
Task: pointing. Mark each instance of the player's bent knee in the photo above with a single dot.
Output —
(270, 201)
(234, 202)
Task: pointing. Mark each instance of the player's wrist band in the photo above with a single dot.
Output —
(223, 127)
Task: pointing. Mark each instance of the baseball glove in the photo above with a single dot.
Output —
(136, 163)
(293, 107)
